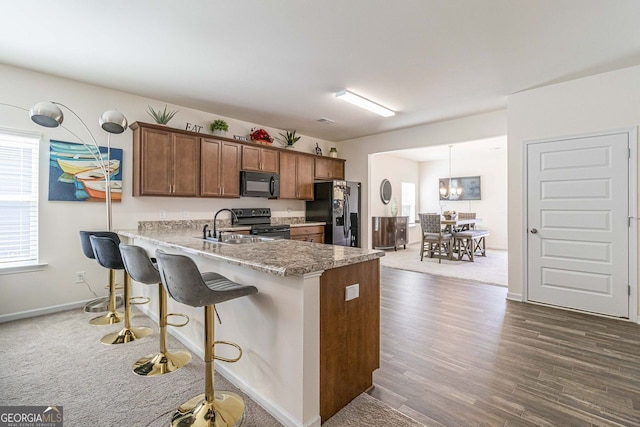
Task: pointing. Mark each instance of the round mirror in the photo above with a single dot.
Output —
(385, 191)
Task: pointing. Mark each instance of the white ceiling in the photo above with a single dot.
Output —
(279, 62)
(470, 149)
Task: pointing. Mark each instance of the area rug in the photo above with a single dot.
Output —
(490, 269)
(58, 360)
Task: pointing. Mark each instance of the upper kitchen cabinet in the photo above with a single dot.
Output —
(329, 168)
(260, 159)
(219, 168)
(296, 176)
(165, 163)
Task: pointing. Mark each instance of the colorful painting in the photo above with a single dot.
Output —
(75, 174)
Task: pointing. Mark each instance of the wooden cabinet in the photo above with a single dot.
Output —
(259, 159)
(329, 168)
(296, 176)
(219, 168)
(165, 163)
(349, 334)
(389, 231)
(173, 162)
(308, 233)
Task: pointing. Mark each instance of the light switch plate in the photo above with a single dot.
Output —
(352, 292)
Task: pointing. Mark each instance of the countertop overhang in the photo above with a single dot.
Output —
(279, 257)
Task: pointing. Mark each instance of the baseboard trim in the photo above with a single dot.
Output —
(514, 297)
(276, 411)
(42, 311)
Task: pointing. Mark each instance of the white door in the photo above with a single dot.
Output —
(578, 196)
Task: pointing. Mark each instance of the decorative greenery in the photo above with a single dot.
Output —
(289, 138)
(219, 124)
(161, 117)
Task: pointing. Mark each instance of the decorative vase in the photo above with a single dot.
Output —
(219, 132)
(394, 207)
(333, 152)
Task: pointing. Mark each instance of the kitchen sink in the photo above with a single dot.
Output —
(236, 239)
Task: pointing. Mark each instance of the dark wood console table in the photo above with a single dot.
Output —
(389, 232)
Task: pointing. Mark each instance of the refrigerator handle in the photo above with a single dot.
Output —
(347, 216)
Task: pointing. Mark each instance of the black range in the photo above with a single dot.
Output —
(260, 221)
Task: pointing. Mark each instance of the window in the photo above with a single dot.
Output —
(18, 198)
(409, 201)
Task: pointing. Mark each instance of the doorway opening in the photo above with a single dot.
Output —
(425, 167)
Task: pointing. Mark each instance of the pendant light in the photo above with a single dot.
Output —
(454, 192)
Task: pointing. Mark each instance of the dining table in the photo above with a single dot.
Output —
(455, 225)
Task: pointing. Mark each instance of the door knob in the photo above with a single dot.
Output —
(534, 231)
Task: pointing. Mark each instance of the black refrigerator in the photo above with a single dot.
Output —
(337, 203)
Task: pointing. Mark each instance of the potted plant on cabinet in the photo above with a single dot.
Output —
(289, 139)
(161, 117)
(219, 127)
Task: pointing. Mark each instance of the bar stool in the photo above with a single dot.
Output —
(108, 255)
(187, 285)
(112, 316)
(141, 269)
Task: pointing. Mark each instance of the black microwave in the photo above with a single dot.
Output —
(259, 184)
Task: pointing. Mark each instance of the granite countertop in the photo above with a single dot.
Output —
(279, 257)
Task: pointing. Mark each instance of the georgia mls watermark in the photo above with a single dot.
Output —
(31, 416)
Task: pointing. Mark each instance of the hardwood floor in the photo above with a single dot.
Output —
(456, 353)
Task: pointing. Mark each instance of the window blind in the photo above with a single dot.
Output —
(18, 197)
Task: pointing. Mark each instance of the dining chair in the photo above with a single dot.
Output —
(433, 238)
(467, 215)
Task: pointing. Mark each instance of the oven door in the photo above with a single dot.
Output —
(259, 184)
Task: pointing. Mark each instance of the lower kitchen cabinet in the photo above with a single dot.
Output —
(389, 231)
(308, 233)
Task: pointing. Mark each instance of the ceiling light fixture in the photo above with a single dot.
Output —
(361, 102)
(450, 191)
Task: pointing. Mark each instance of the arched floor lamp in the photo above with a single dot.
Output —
(50, 115)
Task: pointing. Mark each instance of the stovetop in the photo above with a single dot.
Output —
(251, 216)
(258, 218)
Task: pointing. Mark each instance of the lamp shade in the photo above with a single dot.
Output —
(113, 121)
(46, 114)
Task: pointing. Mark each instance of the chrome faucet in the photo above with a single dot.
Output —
(234, 218)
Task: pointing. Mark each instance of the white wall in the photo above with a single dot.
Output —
(396, 170)
(492, 208)
(592, 104)
(61, 221)
(358, 151)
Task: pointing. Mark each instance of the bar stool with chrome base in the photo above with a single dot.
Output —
(112, 316)
(108, 255)
(141, 269)
(187, 285)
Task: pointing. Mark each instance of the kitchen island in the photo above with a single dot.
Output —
(310, 344)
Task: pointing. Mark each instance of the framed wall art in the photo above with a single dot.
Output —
(469, 188)
(76, 176)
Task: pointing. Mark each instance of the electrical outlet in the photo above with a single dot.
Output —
(185, 214)
(352, 292)
(79, 276)
(162, 214)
